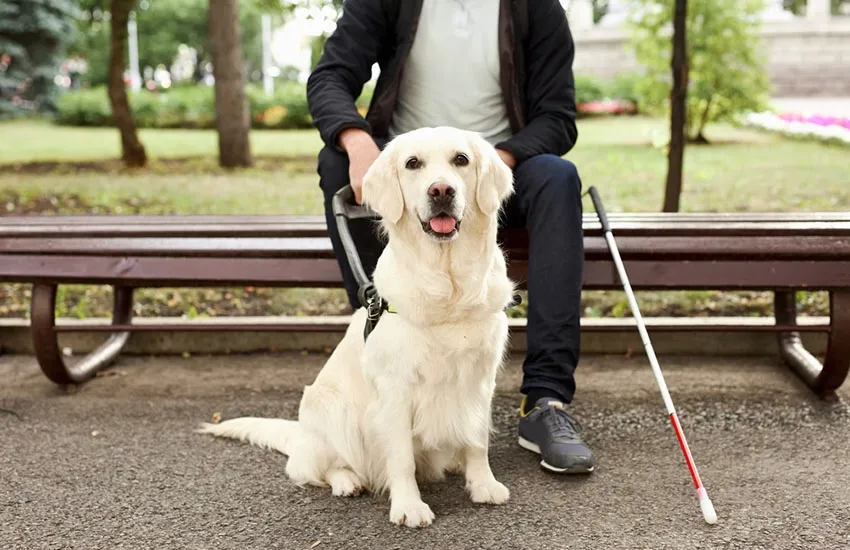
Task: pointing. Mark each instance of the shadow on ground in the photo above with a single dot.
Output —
(114, 464)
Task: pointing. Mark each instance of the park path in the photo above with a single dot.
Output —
(115, 464)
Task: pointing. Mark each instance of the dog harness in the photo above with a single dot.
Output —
(376, 306)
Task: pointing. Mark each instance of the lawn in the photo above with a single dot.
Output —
(60, 170)
(42, 141)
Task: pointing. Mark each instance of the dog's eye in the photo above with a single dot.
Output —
(413, 163)
(461, 160)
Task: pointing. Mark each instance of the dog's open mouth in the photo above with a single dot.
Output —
(442, 226)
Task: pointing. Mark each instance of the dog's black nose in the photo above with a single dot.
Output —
(441, 191)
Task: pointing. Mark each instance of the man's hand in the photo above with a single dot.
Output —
(507, 158)
(362, 152)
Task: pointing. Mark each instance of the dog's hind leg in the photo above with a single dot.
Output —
(326, 413)
(309, 461)
(432, 466)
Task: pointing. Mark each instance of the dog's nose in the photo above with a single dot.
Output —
(441, 191)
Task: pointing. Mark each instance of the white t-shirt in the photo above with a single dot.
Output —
(451, 77)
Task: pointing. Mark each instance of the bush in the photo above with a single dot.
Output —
(193, 107)
(726, 75)
(589, 89)
(625, 87)
(84, 108)
(618, 95)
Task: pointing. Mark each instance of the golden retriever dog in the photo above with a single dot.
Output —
(413, 401)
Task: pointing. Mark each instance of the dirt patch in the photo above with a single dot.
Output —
(177, 165)
(50, 204)
(82, 301)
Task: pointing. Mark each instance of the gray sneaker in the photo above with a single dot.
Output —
(551, 432)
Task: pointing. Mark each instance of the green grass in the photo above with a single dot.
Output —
(60, 170)
(743, 171)
(32, 141)
(201, 193)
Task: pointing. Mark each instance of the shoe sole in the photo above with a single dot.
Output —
(535, 448)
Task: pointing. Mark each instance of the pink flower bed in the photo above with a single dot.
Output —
(818, 120)
(826, 128)
(607, 107)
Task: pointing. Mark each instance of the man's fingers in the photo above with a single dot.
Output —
(357, 185)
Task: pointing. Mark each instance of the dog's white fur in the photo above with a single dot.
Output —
(414, 401)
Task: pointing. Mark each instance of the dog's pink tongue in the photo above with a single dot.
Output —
(443, 224)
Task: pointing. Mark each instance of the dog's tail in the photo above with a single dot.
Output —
(267, 433)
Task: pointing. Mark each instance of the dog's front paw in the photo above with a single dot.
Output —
(490, 492)
(412, 513)
(345, 483)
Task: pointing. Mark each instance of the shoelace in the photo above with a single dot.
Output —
(560, 423)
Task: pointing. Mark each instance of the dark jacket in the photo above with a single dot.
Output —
(536, 78)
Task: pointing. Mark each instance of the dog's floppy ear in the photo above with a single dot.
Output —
(495, 179)
(382, 187)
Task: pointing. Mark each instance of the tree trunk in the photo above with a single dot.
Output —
(232, 118)
(132, 150)
(678, 109)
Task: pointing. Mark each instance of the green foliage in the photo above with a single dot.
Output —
(162, 26)
(621, 89)
(622, 86)
(33, 37)
(727, 75)
(193, 107)
(798, 7)
(589, 88)
(317, 47)
(625, 86)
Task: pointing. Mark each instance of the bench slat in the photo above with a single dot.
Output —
(671, 248)
(223, 247)
(683, 224)
(324, 272)
(255, 219)
(166, 272)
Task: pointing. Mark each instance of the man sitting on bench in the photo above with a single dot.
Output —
(464, 69)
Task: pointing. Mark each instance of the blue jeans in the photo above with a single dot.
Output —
(547, 203)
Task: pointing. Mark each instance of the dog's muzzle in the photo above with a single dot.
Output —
(442, 223)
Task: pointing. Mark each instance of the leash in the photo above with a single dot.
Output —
(345, 208)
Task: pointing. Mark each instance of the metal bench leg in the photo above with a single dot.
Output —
(46, 344)
(836, 365)
(824, 378)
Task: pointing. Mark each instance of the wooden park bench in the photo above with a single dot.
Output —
(783, 253)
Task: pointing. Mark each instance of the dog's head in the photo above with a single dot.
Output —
(436, 177)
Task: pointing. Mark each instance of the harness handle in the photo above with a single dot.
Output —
(345, 208)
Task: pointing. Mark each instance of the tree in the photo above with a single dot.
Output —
(132, 150)
(232, 116)
(33, 38)
(798, 7)
(726, 71)
(678, 109)
(330, 9)
(166, 24)
(163, 25)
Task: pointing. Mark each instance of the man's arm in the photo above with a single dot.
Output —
(551, 103)
(345, 66)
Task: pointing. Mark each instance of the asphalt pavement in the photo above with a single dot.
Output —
(114, 464)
